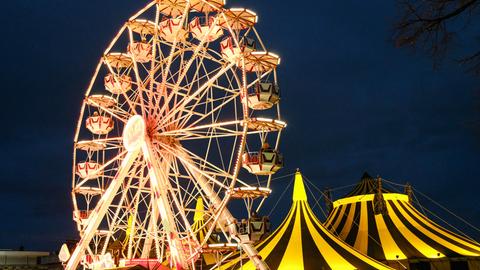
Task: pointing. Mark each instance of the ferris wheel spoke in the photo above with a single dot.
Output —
(188, 160)
(199, 91)
(216, 108)
(100, 210)
(191, 130)
(195, 53)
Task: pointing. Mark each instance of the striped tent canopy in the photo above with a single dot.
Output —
(386, 226)
(301, 242)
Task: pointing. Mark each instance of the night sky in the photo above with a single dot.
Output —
(352, 100)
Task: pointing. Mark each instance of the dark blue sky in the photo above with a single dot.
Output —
(352, 100)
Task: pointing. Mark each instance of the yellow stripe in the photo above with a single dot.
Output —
(389, 246)
(348, 223)
(421, 246)
(432, 235)
(293, 256)
(361, 242)
(337, 265)
(450, 235)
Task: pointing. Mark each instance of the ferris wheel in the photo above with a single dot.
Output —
(183, 105)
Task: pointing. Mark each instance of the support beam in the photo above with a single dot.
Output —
(100, 210)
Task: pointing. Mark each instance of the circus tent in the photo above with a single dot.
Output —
(301, 242)
(387, 227)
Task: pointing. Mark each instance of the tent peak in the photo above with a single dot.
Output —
(299, 193)
(366, 176)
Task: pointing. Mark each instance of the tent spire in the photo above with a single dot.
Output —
(380, 206)
(327, 197)
(299, 193)
(198, 210)
(409, 192)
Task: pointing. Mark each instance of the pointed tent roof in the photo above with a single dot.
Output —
(301, 242)
(367, 185)
(399, 234)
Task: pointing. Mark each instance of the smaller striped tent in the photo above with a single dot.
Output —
(301, 242)
(387, 227)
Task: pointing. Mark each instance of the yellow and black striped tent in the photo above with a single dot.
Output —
(301, 242)
(386, 226)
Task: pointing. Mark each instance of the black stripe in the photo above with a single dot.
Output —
(343, 220)
(347, 254)
(405, 246)
(375, 249)
(312, 258)
(352, 234)
(338, 210)
(440, 235)
(429, 241)
(275, 257)
(333, 216)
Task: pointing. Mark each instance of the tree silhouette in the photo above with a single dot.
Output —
(437, 26)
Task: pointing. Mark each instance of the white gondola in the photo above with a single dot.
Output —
(88, 169)
(118, 84)
(140, 51)
(171, 29)
(98, 124)
(205, 27)
(267, 161)
(232, 52)
(253, 229)
(263, 96)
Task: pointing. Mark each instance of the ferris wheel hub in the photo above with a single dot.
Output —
(134, 133)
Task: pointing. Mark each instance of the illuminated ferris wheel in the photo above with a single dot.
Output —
(184, 97)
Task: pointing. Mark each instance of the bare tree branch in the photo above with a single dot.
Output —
(428, 24)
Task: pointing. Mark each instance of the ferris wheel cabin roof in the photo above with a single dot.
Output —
(249, 192)
(173, 8)
(266, 124)
(261, 61)
(206, 5)
(101, 101)
(118, 60)
(238, 18)
(142, 27)
(90, 145)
